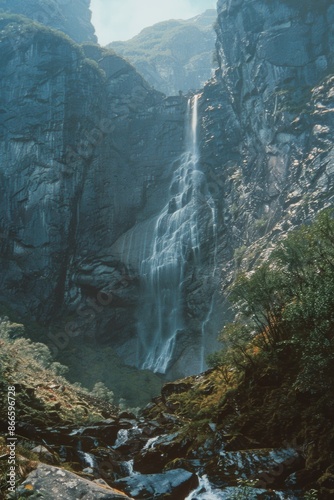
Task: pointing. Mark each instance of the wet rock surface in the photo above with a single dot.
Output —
(156, 459)
(177, 483)
(205, 439)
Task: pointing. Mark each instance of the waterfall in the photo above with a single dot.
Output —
(88, 459)
(205, 491)
(175, 243)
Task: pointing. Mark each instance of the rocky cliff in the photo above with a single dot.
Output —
(267, 123)
(266, 134)
(117, 201)
(73, 18)
(173, 55)
(88, 155)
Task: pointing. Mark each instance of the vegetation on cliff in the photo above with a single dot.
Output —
(173, 55)
(44, 396)
(285, 311)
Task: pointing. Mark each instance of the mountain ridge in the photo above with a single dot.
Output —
(175, 55)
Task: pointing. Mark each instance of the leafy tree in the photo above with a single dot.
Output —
(58, 368)
(286, 308)
(101, 391)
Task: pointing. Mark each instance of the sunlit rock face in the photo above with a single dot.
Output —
(267, 123)
(71, 17)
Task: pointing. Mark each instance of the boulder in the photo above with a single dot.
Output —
(54, 483)
(269, 467)
(103, 433)
(177, 483)
(159, 451)
(45, 455)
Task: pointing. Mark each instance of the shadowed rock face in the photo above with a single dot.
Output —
(73, 18)
(86, 157)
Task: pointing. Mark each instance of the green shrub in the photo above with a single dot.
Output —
(101, 391)
(287, 305)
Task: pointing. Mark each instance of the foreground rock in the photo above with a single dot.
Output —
(176, 483)
(54, 483)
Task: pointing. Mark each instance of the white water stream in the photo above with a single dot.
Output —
(175, 243)
(205, 491)
(88, 459)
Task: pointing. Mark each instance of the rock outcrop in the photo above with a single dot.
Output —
(173, 55)
(73, 18)
(53, 482)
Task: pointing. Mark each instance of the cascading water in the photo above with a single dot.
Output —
(205, 491)
(175, 242)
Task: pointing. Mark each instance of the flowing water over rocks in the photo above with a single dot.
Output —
(175, 243)
(170, 448)
(149, 459)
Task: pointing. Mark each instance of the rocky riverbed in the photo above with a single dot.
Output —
(126, 456)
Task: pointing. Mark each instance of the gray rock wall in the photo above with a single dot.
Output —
(71, 17)
(83, 147)
(267, 124)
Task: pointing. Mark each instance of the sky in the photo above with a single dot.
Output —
(122, 19)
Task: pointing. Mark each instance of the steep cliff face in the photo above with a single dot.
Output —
(265, 134)
(267, 122)
(108, 214)
(173, 55)
(79, 164)
(73, 18)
